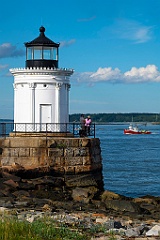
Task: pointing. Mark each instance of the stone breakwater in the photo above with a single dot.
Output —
(105, 214)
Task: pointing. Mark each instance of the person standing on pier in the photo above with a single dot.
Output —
(88, 122)
(82, 125)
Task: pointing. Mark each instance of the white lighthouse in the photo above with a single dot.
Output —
(41, 89)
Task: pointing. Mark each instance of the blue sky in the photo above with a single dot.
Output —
(112, 45)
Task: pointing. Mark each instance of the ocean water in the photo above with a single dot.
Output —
(131, 163)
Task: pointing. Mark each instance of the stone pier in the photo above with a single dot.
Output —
(68, 162)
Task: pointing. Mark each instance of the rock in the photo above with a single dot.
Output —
(54, 181)
(46, 207)
(21, 193)
(147, 200)
(30, 219)
(154, 231)
(149, 203)
(145, 238)
(132, 232)
(48, 180)
(6, 202)
(84, 194)
(117, 225)
(1, 194)
(108, 195)
(10, 176)
(42, 202)
(80, 195)
(143, 229)
(3, 209)
(85, 180)
(7, 211)
(26, 186)
(102, 220)
(122, 205)
(21, 204)
(11, 183)
(17, 166)
(115, 237)
(6, 192)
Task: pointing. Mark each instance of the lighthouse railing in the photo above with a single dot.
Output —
(72, 128)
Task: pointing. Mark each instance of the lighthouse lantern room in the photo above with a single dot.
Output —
(42, 52)
(41, 89)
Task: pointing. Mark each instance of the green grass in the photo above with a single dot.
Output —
(48, 229)
(38, 230)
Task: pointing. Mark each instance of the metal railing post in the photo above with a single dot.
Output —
(73, 128)
(3, 129)
(94, 130)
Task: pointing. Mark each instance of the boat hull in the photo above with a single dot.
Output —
(128, 131)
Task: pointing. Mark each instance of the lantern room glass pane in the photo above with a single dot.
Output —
(29, 53)
(48, 53)
(38, 53)
(55, 53)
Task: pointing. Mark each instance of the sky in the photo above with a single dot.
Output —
(112, 45)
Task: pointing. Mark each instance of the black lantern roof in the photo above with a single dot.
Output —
(42, 40)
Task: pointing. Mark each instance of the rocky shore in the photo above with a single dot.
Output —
(104, 213)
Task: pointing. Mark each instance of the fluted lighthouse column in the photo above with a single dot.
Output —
(15, 102)
(32, 103)
(68, 86)
(58, 99)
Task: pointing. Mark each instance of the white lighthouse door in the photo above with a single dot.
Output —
(45, 117)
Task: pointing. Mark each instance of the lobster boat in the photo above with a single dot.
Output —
(134, 130)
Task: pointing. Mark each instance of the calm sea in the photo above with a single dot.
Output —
(131, 163)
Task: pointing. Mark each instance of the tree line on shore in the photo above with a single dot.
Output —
(112, 117)
(118, 117)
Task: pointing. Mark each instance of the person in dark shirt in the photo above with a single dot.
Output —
(82, 132)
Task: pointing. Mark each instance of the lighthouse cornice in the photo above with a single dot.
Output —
(42, 71)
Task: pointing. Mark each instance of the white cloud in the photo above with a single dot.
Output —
(66, 44)
(8, 50)
(106, 74)
(142, 35)
(149, 73)
(131, 30)
(3, 66)
(86, 19)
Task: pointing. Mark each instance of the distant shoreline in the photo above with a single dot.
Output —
(119, 117)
